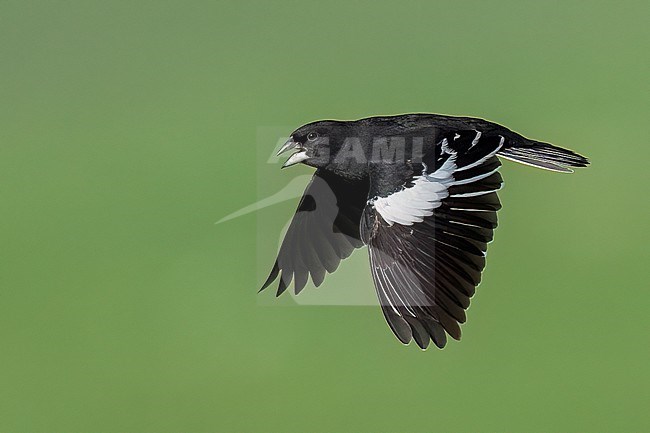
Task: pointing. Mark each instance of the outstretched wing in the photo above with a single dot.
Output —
(324, 230)
(428, 236)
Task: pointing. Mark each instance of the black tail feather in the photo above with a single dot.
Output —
(545, 155)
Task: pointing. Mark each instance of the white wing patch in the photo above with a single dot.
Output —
(410, 205)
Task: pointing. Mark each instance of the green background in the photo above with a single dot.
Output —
(128, 128)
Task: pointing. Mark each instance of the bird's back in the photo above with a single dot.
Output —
(432, 127)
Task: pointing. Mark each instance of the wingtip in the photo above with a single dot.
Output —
(283, 284)
(272, 276)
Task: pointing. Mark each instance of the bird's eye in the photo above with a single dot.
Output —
(312, 136)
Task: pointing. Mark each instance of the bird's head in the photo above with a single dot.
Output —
(317, 144)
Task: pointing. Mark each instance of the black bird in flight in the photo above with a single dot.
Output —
(420, 190)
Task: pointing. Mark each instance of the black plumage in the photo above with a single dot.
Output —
(420, 190)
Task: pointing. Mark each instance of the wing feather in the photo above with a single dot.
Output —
(323, 231)
(427, 241)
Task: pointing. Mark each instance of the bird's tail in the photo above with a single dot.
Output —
(544, 155)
